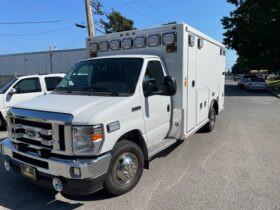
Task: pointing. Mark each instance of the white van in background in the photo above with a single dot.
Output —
(24, 88)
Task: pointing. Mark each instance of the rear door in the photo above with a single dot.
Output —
(156, 107)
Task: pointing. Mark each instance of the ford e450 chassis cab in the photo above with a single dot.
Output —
(138, 93)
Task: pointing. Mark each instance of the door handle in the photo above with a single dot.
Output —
(193, 83)
(168, 108)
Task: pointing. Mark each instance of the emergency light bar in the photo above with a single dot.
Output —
(103, 46)
(154, 40)
(115, 44)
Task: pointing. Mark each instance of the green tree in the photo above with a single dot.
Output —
(253, 30)
(241, 66)
(116, 22)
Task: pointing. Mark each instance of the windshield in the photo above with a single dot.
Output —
(7, 86)
(112, 76)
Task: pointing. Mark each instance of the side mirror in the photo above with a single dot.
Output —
(167, 88)
(12, 91)
(171, 85)
(149, 88)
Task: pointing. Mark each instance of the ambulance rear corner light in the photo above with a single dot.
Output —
(93, 47)
(154, 40)
(169, 38)
(191, 40)
(224, 52)
(115, 44)
(140, 42)
(127, 43)
(103, 46)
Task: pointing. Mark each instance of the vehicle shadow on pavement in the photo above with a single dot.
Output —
(234, 90)
(100, 195)
(168, 150)
(16, 192)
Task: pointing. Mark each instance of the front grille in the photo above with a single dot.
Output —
(42, 135)
(33, 123)
(32, 161)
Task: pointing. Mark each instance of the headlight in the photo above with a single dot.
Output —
(87, 140)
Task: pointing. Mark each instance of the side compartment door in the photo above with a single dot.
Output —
(156, 107)
(191, 91)
(25, 89)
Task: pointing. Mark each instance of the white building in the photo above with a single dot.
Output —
(40, 62)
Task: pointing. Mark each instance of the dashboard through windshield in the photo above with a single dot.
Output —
(109, 76)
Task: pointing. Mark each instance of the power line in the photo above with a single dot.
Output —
(150, 14)
(40, 33)
(142, 13)
(75, 40)
(123, 5)
(32, 22)
(157, 11)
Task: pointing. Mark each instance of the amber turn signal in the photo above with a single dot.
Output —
(96, 136)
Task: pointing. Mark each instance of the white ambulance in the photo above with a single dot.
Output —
(138, 93)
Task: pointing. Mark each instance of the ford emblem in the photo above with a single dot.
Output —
(30, 133)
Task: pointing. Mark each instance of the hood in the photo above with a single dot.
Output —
(81, 107)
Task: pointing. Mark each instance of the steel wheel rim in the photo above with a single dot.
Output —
(125, 168)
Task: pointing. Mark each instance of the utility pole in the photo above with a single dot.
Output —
(51, 58)
(90, 23)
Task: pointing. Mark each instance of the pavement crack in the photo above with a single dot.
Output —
(208, 157)
(178, 180)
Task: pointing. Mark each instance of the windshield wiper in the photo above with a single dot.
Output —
(66, 88)
(103, 90)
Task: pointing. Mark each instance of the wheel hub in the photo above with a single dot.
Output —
(125, 168)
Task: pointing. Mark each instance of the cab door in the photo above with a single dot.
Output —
(25, 89)
(157, 107)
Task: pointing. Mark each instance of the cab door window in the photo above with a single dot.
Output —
(52, 82)
(154, 76)
(30, 85)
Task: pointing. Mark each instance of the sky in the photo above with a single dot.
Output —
(61, 33)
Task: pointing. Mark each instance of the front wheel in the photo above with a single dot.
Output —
(2, 123)
(126, 168)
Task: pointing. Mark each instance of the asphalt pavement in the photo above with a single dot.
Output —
(237, 166)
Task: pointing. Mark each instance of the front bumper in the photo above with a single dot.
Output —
(91, 170)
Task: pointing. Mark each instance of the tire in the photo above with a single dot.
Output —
(212, 121)
(2, 123)
(126, 168)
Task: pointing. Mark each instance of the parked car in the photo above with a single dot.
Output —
(24, 88)
(245, 79)
(272, 76)
(237, 77)
(256, 84)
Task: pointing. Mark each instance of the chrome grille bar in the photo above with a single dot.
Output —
(41, 130)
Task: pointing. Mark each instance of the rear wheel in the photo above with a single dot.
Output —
(212, 121)
(125, 169)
